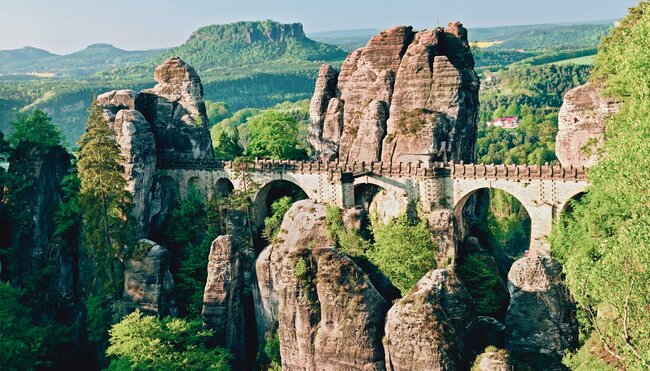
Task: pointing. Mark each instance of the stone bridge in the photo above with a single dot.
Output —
(439, 190)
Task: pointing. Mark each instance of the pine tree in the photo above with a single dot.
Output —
(103, 196)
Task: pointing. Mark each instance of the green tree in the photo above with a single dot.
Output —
(216, 111)
(147, 343)
(227, 147)
(36, 127)
(273, 135)
(103, 197)
(273, 222)
(404, 251)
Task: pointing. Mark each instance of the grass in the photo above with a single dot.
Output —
(484, 44)
(586, 60)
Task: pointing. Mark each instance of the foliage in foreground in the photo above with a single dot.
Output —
(605, 242)
(141, 342)
(403, 250)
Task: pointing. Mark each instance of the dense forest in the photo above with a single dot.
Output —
(603, 243)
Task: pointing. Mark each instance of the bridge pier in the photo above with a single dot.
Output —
(541, 218)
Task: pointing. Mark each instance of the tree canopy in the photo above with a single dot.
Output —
(35, 127)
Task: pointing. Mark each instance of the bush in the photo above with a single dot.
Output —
(273, 222)
(147, 343)
(404, 251)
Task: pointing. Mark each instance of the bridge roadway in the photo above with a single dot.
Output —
(440, 190)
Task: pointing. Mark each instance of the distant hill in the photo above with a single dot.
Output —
(541, 37)
(346, 39)
(94, 58)
(528, 37)
(246, 45)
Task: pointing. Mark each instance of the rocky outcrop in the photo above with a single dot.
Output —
(167, 123)
(223, 305)
(176, 111)
(540, 322)
(38, 171)
(493, 360)
(404, 94)
(148, 283)
(581, 125)
(329, 313)
(426, 329)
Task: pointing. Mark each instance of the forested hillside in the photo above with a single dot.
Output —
(604, 242)
(244, 64)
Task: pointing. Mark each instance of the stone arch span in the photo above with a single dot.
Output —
(272, 191)
(461, 203)
(223, 187)
(386, 198)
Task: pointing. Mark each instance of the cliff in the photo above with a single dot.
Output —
(581, 125)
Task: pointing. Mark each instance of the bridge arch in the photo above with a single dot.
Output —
(383, 198)
(223, 187)
(273, 191)
(566, 206)
(196, 183)
(460, 215)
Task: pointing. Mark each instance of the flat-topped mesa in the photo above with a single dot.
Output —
(405, 95)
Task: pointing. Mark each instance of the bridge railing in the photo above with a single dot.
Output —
(461, 170)
(394, 169)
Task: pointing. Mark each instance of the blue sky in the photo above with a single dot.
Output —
(64, 26)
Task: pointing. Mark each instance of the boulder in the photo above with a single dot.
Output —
(405, 93)
(223, 304)
(148, 283)
(581, 125)
(426, 329)
(329, 313)
(540, 321)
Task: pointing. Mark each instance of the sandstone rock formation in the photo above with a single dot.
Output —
(160, 125)
(581, 125)
(541, 319)
(330, 315)
(148, 284)
(493, 360)
(425, 330)
(406, 95)
(176, 111)
(223, 307)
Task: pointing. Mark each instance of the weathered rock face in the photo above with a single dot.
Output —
(176, 111)
(541, 319)
(266, 300)
(330, 315)
(223, 306)
(493, 361)
(164, 124)
(148, 283)
(425, 330)
(40, 171)
(581, 125)
(405, 93)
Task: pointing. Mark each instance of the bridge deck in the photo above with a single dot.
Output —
(400, 169)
